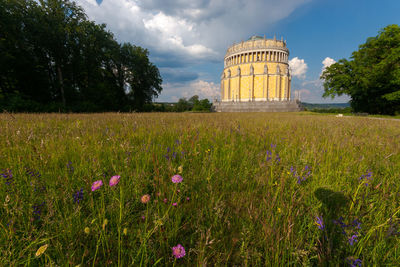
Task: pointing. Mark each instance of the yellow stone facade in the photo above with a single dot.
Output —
(256, 70)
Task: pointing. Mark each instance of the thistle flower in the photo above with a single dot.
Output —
(145, 198)
(114, 180)
(178, 251)
(176, 179)
(41, 250)
(96, 185)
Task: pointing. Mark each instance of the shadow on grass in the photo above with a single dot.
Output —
(331, 238)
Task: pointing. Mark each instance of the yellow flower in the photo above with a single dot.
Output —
(125, 231)
(279, 210)
(275, 183)
(180, 169)
(87, 230)
(41, 250)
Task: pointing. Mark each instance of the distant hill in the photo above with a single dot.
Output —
(325, 106)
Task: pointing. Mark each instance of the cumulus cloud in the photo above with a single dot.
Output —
(187, 33)
(298, 67)
(176, 90)
(326, 63)
(189, 30)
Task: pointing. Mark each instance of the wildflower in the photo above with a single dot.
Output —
(269, 155)
(8, 176)
(320, 223)
(78, 196)
(174, 204)
(41, 250)
(96, 185)
(178, 251)
(165, 200)
(279, 210)
(180, 169)
(143, 217)
(87, 230)
(70, 167)
(353, 239)
(353, 262)
(176, 179)
(366, 177)
(145, 198)
(188, 198)
(125, 232)
(114, 180)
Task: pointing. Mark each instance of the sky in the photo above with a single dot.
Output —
(187, 39)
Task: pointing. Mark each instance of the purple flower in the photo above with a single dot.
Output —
(320, 223)
(353, 239)
(354, 262)
(178, 251)
(176, 179)
(367, 177)
(78, 196)
(70, 167)
(269, 155)
(114, 180)
(96, 185)
(7, 175)
(174, 204)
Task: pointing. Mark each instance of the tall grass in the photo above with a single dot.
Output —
(258, 189)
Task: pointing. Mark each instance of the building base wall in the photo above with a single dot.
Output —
(258, 106)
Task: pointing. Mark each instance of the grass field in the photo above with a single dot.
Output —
(258, 189)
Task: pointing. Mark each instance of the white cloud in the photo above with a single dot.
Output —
(326, 63)
(298, 67)
(189, 31)
(198, 87)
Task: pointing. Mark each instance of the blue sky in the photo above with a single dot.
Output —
(187, 39)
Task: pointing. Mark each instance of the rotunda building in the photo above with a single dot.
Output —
(256, 70)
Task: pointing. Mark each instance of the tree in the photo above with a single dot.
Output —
(372, 77)
(53, 58)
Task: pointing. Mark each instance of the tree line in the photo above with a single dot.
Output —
(371, 77)
(53, 58)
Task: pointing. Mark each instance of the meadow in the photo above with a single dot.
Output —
(280, 189)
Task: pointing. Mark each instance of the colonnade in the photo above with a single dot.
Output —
(271, 56)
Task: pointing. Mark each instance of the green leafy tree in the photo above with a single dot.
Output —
(53, 58)
(372, 77)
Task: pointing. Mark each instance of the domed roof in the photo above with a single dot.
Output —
(255, 37)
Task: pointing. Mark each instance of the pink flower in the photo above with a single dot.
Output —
(176, 179)
(174, 204)
(188, 198)
(145, 198)
(114, 180)
(165, 200)
(178, 251)
(96, 185)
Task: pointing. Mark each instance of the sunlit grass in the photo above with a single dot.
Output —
(257, 189)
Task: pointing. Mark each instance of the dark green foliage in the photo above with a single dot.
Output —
(52, 58)
(372, 77)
